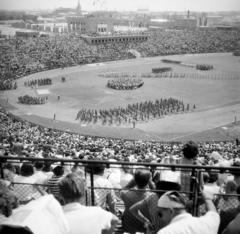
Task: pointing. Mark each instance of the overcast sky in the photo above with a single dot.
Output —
(152, 5)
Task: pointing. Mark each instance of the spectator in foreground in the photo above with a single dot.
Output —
(229, 215)
(8, 202)
(83, 219)
(172, 212)
(53, 187)
(129, 222)
(233, 227)
(146, 210)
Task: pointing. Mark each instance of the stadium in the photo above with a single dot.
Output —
(111, 125)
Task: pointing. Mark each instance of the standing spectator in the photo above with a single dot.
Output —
(172, 212)
(24, 187)
(129, 222)
(83, 219)
(190, 152)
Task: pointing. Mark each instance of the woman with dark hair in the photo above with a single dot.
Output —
(24, 184)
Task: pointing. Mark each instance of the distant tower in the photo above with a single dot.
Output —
(78, 9)
(188, 14)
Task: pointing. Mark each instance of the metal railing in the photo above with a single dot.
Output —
(194, 171)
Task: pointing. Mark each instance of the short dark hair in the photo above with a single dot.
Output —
(142, 177)
(39, 165)
(72, 187)
(26, 169)
(58, 171)
(190, 150)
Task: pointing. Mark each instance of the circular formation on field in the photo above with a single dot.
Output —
(125, 83)
(81, 101)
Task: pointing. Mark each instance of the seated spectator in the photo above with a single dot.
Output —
(229, 201)
(228, 215)
(40, 176)
(129, 222)
(172, 212)
(8, 202)
(146, 210)
(53, 186)
(83, 219)
(24, 184)
(103, 197)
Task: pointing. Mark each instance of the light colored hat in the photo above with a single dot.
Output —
(172, 199)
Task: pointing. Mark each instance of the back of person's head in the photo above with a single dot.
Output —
(213, 177)
(58, 171)
(205, 177)
(231, 187)
(26, 169)
(39, 165)
(190, 150)
(8, 201)
(164, 186)
(142, 177)
(72, 187)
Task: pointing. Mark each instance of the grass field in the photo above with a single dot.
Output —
(217, 100)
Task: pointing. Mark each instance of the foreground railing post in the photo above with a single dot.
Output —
(196, 184)
(92, 186)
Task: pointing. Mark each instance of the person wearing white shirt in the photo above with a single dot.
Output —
(83, 219)
(172, 212)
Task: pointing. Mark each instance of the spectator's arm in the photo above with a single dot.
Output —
(208, 201)
(136, 211)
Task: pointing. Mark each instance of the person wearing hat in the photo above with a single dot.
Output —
(172, 212)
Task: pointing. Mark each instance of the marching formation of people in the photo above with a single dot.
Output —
(7, 84)
(204, 67)
(143, 111)
(40, 82)
(26, 99)
(125, 83)
(189, 75)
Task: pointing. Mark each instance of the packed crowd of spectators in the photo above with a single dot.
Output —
(21, 57)
(143, 111)
(29, 100)
(152, 200)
